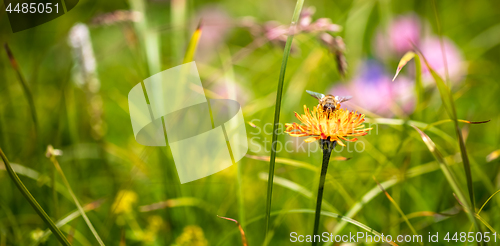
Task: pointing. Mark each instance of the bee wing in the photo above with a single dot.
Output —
(316, 95)
(343, 99)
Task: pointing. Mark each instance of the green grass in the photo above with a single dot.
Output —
(31, 200)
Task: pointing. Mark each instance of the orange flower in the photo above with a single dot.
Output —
(321, 124)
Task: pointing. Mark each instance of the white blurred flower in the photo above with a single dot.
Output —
(79, 40)
(85, 76)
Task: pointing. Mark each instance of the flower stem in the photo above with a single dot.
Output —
(38, 209)
(327, 147)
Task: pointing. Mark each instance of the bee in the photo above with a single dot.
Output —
(328, 102)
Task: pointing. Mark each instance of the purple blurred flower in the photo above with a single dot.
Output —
(431, 49)
(373, 90)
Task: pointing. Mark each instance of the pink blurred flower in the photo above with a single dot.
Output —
(405, 30)
(306, 23)
(402, 32)
(216, 23)
(277, 33)
(431, 49)
(322, 25)
(373, 90)
(306, 16)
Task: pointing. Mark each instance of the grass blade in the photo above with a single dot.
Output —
(285, 161)
(448, 101)
(449, 105)
(400, 122)
(375, 191)
(487, 225)
(179, 202)
(450, 177)
(242, 232)
(406, 58)
(351, 221)
(449, 120)
(310, 211)
(288, 184)
(493, 155)
(193, 43)
(53, 159)
(397, 208)
(419, 87)
(444, 90)
(34, 175)
(442, 87)
(38, 209)
(68, 218)
(484, 204)
(286, 53)
(296, 188)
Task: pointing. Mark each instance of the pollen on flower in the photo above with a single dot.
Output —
(338, 125)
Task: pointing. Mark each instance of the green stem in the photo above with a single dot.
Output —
(327, 147)
(54, 194)
(38, 209)
(288, 46)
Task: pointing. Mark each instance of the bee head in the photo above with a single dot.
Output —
(329, 106)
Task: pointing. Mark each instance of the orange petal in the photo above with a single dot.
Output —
(311, 139)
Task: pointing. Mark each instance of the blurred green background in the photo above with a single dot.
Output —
(81, 66)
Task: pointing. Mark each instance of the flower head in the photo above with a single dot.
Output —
(334, 125)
